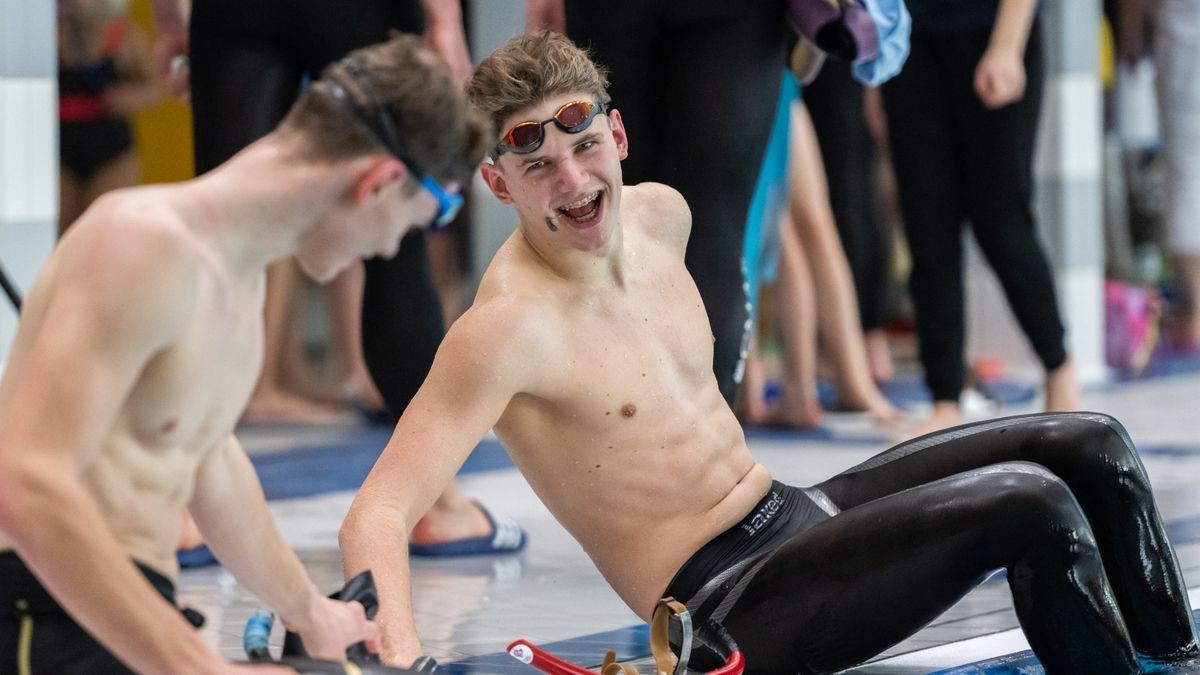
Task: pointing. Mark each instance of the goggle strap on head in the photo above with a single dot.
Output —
(382, 125)
(373, 114)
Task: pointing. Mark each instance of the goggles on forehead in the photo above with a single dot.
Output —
(379, 120)
(527, 137)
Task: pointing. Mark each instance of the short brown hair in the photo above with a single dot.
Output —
(530, 69)
(436, 127)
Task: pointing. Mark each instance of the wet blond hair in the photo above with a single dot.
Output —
(531, 68)
(436, 127)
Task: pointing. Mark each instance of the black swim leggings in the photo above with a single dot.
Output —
(1060, 501)
(956, 160)
(697, 84)
(249, 60)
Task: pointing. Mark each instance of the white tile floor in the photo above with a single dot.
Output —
(550, 592)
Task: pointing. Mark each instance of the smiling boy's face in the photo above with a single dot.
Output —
(568, 190)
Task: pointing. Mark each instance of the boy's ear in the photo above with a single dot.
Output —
(618, 131)
(495, 182)
(378, 175)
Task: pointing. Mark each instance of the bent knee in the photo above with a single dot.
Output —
(1040, 509)
(1092, 440)
(1028, 491)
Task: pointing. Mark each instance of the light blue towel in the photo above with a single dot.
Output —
(892, 26)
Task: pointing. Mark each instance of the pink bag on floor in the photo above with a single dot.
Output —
(1131, 323)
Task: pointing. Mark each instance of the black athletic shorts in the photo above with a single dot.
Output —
(712, 578)
(38, 636)
(86, 147)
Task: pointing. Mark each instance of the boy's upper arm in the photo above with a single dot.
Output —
(105, 313)
(479, 368)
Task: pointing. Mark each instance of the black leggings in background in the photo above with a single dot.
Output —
(835, 103)
(956, 160)
(696, 84)
(249, 60)
(1060, 500)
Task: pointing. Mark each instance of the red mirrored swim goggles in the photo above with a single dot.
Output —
(527, 137)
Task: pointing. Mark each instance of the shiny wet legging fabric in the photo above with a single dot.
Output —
(1060, 501)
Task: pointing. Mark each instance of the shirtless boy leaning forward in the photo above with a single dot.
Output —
(141, 341)
(589, 352)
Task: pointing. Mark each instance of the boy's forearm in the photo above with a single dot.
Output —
(231, 512)
(252, 549)
(372, 539)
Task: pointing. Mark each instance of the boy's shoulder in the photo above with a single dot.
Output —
(660, 211)
(130, 241)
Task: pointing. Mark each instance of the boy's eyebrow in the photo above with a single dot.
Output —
(589, 136)
(583, 138)
(532, 159)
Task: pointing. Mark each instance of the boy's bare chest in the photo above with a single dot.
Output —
(637, 355)
(193, 392)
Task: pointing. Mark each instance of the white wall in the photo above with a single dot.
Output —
(28, 146)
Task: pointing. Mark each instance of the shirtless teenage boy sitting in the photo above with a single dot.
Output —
(589, 352)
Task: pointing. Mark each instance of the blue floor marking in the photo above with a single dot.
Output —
(321, 469)
(1170, 450)
(1163, 363)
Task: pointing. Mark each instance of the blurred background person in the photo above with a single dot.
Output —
(962, 116)
(848, 120)
(105, 75)
(814, 301)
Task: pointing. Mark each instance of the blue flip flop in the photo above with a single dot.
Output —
(507, 537)
(199, 556)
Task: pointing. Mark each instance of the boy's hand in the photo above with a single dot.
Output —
(332, 625)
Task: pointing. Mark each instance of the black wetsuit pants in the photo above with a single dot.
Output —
(1059, 500)
(249, 60)
(954, 160)
(38, 636)
(697, 84)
